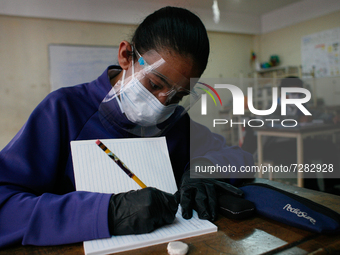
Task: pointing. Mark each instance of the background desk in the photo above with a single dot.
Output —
(297, 132)
(257, 235)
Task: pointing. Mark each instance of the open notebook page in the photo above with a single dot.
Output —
(148, 159)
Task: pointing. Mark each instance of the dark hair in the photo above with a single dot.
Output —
(291, 81)
(174, 28)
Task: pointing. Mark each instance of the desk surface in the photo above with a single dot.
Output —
(257, 235)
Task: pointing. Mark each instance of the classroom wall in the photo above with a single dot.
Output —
(230, 55)
(286, 42)
(24, 65)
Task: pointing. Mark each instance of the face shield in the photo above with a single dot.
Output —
(149, 99)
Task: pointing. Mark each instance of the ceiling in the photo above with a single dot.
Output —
(250, 7)
(236, 16)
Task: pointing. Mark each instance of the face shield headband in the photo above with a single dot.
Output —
(149, 99)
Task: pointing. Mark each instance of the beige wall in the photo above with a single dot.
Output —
(286, 42)
(230, 55)
(24, 66)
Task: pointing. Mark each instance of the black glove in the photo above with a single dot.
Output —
(202, 195)
(141, 211)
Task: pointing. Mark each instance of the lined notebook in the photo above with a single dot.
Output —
(149, 160)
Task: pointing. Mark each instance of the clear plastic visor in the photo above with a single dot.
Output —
(150, 97)
(159, 78)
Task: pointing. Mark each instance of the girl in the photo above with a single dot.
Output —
(140, 97)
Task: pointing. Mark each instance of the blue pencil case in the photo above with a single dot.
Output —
(291, 209)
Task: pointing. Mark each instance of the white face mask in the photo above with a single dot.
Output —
(141, 106)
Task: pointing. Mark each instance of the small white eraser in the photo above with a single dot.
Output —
(177, 248)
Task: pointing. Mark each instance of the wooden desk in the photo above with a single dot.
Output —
(297, 132)
(257, 235)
